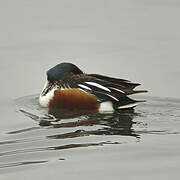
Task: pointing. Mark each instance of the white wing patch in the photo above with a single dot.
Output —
(129, 105)
(84, 87)
(117, 90)
(112, 97)
(98, 86)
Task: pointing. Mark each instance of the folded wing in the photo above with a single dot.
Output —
(106, 89)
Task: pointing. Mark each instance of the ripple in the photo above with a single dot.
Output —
(62, 147)
(14, 164)
(64, 130)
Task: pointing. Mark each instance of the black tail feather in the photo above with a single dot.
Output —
(126, 84)
(126, 103)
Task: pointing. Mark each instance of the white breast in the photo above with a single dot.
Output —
(44, 100)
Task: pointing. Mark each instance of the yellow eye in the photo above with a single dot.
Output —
(71, 73)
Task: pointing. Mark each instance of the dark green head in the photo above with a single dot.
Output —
(62, 70)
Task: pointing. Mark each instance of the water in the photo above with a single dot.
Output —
(135, 40)
(144, 142)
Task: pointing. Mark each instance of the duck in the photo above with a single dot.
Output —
(68, 87)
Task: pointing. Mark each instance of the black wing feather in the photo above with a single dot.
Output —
(118, 88)
(123, 82)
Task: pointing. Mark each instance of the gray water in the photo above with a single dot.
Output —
(143, 144)
(136, 40)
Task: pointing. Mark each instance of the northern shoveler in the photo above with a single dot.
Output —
(67, 87)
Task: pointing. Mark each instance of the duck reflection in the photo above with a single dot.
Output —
(62, 129)
(119, 123)
(77, 124)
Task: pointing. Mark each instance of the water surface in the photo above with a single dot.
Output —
(144, 142)
(135, 40)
